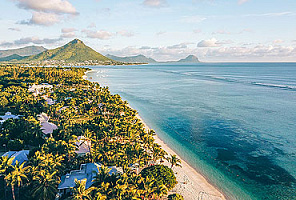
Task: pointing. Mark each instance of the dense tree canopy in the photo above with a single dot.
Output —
(80, 108)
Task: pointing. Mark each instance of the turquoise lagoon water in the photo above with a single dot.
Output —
(234, 122)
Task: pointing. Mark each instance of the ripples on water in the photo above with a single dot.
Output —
(235, 122)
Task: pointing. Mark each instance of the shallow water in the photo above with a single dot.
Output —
(234, 122)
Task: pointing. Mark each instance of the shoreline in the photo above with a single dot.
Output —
(192, 185)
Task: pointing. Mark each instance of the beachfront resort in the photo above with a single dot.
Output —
(82, 143)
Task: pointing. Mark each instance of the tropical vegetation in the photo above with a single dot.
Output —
(81, 108)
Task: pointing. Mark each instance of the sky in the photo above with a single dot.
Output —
(212, 30)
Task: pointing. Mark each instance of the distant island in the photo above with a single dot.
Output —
(75, 53)
(133, 59)
(143, 59)
(189, 59)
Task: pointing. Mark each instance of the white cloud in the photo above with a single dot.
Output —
(68, 30)
(41, 18)
(125, 33)
(220, 53)
(30, 40)
(46, 12)
(278, 14)
(279, 41)
(208, 43)
(192, 19)
(54, 6)
(155, 3)
(101, 34)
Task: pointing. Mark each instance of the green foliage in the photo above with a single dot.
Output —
(15, 145)
(175, 196)
(83, 109)
(162, 175)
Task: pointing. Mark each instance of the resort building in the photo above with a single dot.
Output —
(7, 116)
(83, 145)
(20, 156)
(37, 89)
(46, 127)
(86, 172)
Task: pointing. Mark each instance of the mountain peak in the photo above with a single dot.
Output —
(73, 52)
(76, 41)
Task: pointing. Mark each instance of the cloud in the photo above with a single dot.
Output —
(30, 40)
(258, 52)
(208, 43)
(102, 35)
(6, 44)
(155, 3)
(41, 18)
(50, 6)
(192, 19)
(278, 14)
(14, 29)
(125, 33)
(68, 30)
(47, 12)
(279, 41)
(179, 46)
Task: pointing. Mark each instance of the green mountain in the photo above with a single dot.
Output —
(74, 52)
(132, 59)
(189, 59)
(13, 57)
(25, 51)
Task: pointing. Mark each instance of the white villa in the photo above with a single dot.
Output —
(84, 146)
(7, 116)
(37, 89)
(86, 172)
(46, 127)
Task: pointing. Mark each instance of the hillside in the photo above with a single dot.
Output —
(75, 52)
(25, 51)
(189, 59)
(132, 59)
(13, 57)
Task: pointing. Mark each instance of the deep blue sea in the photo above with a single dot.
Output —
(234, 122)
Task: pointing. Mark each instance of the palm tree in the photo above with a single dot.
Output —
(16, 176)
(45, 185)
(79, 192)
(101, 176)
(174, 161)
(5, 164)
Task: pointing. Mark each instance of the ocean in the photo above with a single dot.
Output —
(233, 122)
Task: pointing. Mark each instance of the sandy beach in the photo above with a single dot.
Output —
(191, 184)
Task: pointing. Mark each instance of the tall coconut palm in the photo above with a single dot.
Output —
(174, 161)
(45, 185)
(79, 192)
(17, 176)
